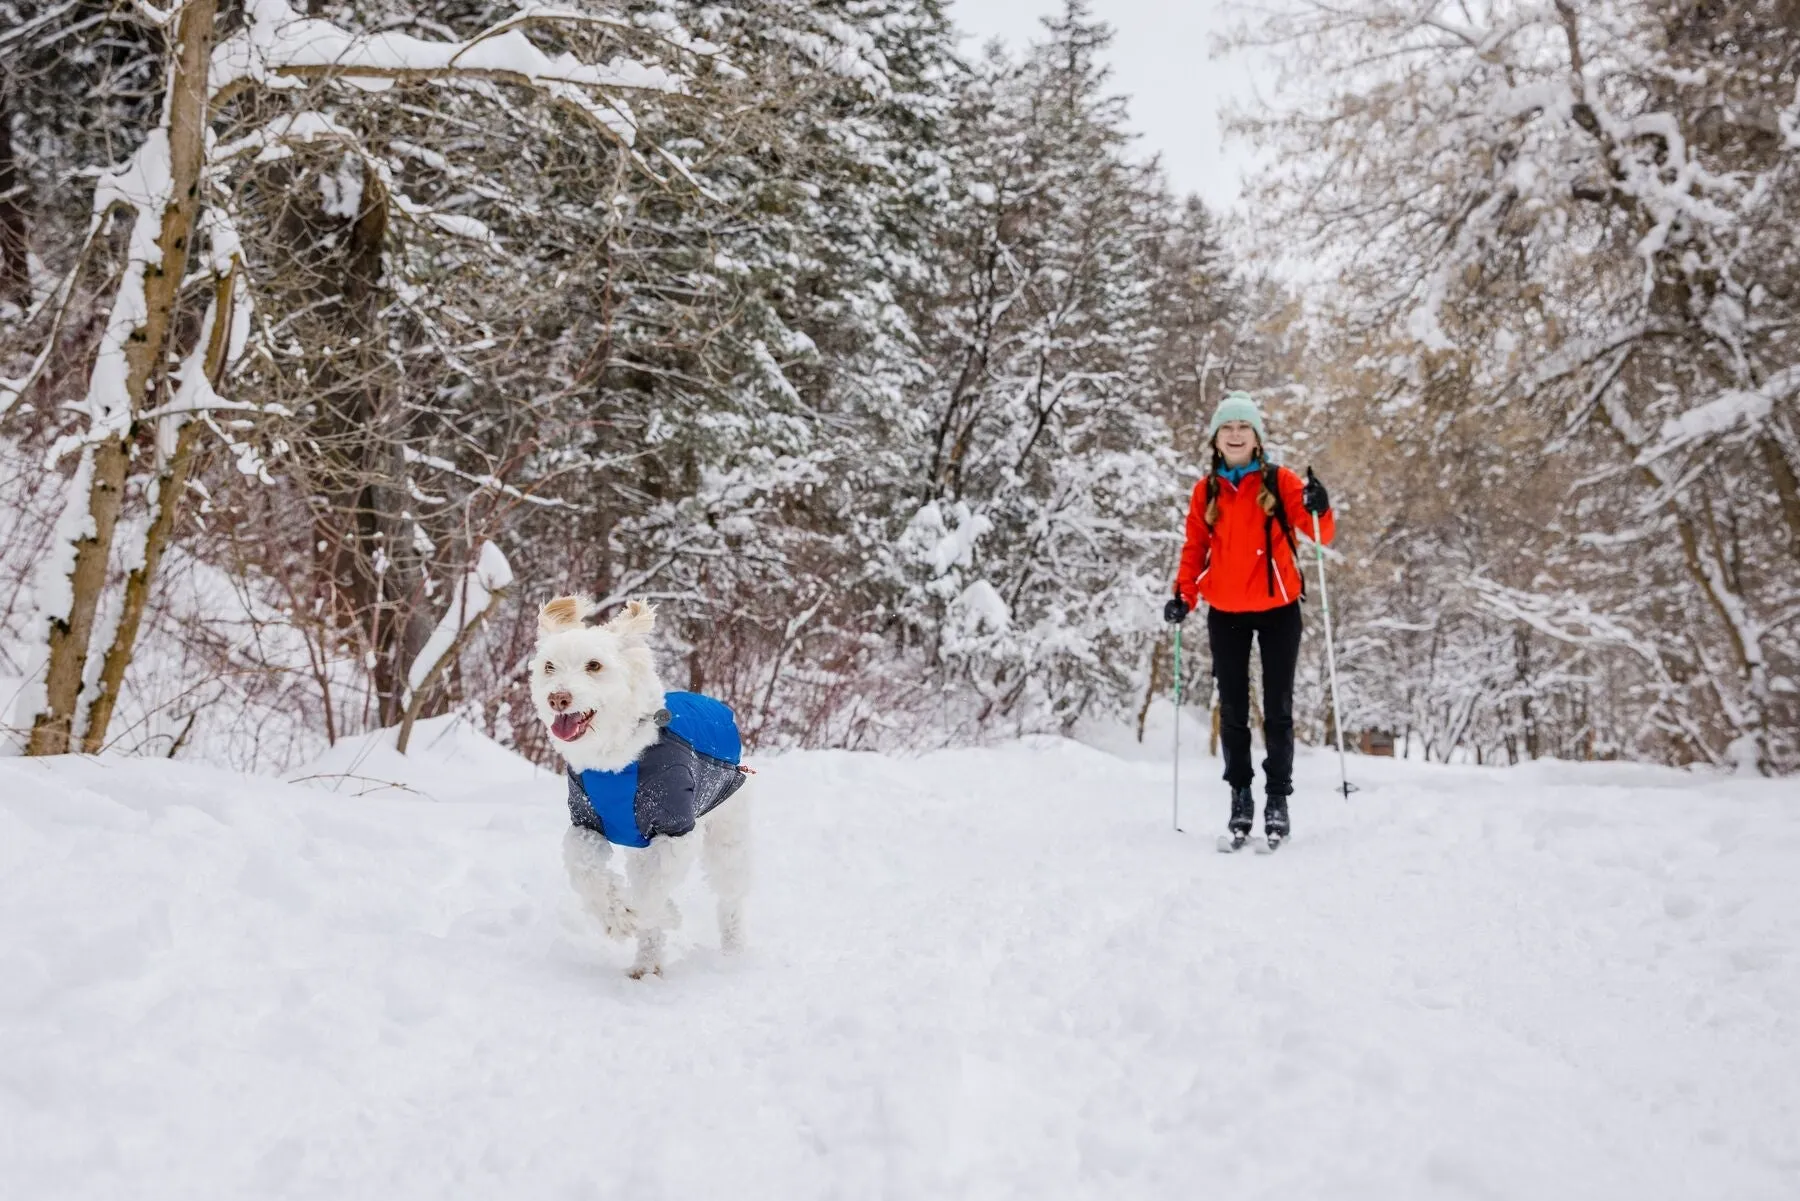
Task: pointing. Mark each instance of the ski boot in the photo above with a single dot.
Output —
(1243, 816)
(1275, 821)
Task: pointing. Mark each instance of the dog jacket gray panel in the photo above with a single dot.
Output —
(690, 770)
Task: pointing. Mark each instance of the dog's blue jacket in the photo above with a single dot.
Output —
(683, 776)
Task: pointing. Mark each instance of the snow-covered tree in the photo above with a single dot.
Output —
(1563, 226)
(253, 82)
(1047, 488)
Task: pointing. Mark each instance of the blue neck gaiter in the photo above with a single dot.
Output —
(1236, 474)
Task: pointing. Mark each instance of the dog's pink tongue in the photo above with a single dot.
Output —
(567, 726)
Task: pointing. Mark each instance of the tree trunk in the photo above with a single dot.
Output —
(1150, 691)
(369, 568)
(1707, 570)
(15, 263)
(171, 482)
(1787, 487)
(1527, 712)
(145, 351)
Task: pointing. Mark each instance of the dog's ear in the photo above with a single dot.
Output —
(636, 619)
(563, 613)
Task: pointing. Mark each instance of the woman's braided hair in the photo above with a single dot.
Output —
(1264, 497)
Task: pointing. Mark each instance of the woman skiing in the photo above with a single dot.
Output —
(1240, 558)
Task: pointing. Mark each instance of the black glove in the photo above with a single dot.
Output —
(1315, 498)
(1175, 611)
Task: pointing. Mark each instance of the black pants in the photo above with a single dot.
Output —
(1277, 631)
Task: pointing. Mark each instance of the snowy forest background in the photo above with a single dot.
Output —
(885, 370)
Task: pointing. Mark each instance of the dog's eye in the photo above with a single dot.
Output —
(549, 669)
(595, 665)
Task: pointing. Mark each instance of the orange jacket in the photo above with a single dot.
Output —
(1226, 565)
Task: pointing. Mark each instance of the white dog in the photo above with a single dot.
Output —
(645, 768)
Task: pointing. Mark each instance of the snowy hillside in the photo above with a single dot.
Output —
(981, 973)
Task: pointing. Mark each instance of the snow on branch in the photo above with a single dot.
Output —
(459, 225)
(1566, 618)
(486, 481)
(1727, 413)
(844, 51)
(476, 595)
(275, 140)
(279, 48)
(25, 31)
(141, 185)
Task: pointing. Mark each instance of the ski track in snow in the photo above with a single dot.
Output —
(983, 973)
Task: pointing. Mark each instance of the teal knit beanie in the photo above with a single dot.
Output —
(1237, 406)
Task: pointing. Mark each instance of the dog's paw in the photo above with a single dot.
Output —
(623, 921)
(605, 907)
(619, 921)
(638, 973)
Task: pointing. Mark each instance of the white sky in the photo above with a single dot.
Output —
(1161, 59)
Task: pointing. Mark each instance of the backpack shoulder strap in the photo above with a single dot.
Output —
(1272, 482)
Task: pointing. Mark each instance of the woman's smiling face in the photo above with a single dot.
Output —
(1236, 440)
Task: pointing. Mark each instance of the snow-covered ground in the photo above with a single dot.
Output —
(984, 973)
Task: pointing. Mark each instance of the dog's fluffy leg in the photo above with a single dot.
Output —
(652, 875)
(726, 859)
(586, 854)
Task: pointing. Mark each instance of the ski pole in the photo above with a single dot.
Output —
(1175, 812)
(1337, 716)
